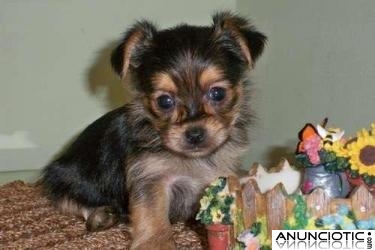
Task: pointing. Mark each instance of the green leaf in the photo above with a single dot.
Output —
(351, 215)
(303, 160)
(256, 228)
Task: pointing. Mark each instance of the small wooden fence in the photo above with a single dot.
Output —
(275, 204)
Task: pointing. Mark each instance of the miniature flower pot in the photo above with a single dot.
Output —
(218, 236)
(335, 185)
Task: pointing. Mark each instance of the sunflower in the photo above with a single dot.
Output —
(362, 152)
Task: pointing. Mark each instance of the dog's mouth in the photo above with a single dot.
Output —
(199, 151)
(181, 146)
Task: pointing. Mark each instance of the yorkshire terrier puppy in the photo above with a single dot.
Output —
(150, 160)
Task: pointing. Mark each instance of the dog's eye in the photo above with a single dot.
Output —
(165, 102)
(216, 94)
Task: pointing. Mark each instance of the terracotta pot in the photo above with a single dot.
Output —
(218, 236)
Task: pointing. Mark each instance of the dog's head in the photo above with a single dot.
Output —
(191, 78)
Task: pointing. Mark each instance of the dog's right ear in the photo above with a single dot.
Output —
(250, 40)
(127, 53)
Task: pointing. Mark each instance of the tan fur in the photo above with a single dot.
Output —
(163, 82)
(245, 49)
(211, 108)
(168, 165)
(238, 92)
(179, 114)
(216, 135)
(174, 116)
(231, 25)
(150, 222)
(128, 49)
(150, 208)
(68, 206)
(153, 176)
(209, 76)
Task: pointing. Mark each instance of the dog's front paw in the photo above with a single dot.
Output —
(101, 218)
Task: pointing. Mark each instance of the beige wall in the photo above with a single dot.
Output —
(55, 76)
(319, 62)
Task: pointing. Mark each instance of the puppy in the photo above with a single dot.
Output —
(150, 160)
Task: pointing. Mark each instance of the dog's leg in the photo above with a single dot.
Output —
(97, 219)
(150, 221)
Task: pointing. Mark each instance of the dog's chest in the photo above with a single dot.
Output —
(185, 182)
(170, 167)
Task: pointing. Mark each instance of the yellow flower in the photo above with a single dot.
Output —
(217, 215)
(362, 152)
(338, 147)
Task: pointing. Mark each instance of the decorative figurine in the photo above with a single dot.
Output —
(321, 154)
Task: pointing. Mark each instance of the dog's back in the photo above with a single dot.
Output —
(91, 171)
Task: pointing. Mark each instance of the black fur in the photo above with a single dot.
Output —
(91, 171)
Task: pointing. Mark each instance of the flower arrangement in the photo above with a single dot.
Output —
(217, 204)
(327, 147)
(218, 212)
(321, 153)
(322, 146)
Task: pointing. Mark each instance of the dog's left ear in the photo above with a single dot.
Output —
(250, 40)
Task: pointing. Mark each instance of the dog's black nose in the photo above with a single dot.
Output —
(195, 135)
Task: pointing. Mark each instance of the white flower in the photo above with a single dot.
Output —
(217, 215)
(204, 202)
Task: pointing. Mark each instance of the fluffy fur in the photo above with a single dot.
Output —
(151, 159)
